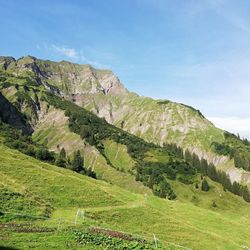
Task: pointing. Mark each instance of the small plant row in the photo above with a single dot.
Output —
(25, 228)
(112, 240)
(115, 234)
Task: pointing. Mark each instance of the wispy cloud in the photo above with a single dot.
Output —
(71, 54)
(65, 51)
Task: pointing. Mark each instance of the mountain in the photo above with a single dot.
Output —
(82, 156)
(39, 203)
(101, 92)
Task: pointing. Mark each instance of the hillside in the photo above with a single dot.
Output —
(47, 199)
(101, 92)
(60, 124)
(170, 176)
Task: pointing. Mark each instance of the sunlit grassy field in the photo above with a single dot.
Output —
(48, 197)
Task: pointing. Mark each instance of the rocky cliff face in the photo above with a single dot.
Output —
(68, 78)
(101, 92)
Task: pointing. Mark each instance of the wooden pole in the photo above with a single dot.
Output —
(155, 240)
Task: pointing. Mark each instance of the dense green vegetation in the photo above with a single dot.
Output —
(94, 130)
(16, 139)
(112, 240)
(236, 148)
(209, 170)
(153, 174)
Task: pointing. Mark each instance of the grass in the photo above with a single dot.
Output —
(155, 155)
(31, 176)
(44, 240)
(41, 195)
(53, 128)
(179, 222)
(118, 155)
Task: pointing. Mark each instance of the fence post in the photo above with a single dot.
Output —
(76, 216)
(155, 240)
(82, 214)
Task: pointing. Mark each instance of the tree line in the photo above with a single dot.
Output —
(94, 129)
(16, 139)
(209, 169)
(236, 148)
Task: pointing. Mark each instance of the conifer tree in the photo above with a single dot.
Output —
(204, 185)
(246, 193)
(204, 166)
(77, 162)
(211, 171)
(63, 153)
(61, 159)
(236, 188)
(188, 156)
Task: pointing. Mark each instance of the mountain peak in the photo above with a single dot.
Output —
(70, 78)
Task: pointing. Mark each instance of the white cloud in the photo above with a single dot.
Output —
(63, 50)
(233, 124)
(71, 53)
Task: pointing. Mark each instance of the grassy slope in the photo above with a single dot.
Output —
(53, 128)
(118, 155)
(110, 206)
(150, 119)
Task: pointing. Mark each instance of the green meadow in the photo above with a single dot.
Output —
(39, 203)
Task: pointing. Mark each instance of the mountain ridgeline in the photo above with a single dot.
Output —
(164, 141)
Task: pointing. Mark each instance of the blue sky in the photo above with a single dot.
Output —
(190, 51)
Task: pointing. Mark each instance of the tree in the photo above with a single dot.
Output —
(204, 185)
(196, 161)
(137, 177)
(63, 153)
(214, 204)
(211, 172)
(61, 159)
(151, 181)
(77, 162)
(246, 193)
(163, 189)
(84, 131)
(204, 166)
(91, 139)
(188, 156)
(236, 188)
(60, 162)
(237, 159)
(180, 152)
(44, 154)
(91, 173)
